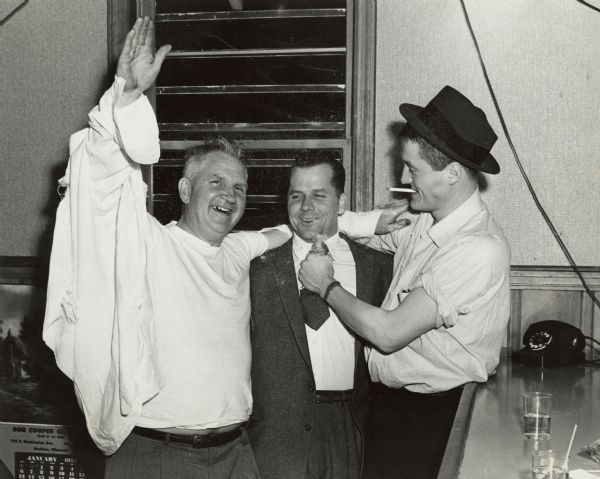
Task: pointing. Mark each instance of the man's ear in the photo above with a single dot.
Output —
(454, 172)
(185, 190)
(342, 204)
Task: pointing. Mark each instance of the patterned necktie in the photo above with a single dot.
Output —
(314, 309)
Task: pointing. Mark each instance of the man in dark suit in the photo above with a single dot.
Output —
(309, 377)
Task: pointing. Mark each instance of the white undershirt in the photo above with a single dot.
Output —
(201, 303)
(332, 346)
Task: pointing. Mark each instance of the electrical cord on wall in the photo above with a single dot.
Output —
(592, 339)
(555, 233)
(7, 15)
(588, 5)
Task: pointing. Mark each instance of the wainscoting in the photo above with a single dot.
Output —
(537, 293)
(556, 293)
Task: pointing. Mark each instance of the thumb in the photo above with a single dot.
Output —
(160, 56)
(318, 246)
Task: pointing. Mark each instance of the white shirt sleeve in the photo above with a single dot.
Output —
(361, 228)
(247, 245)
(359, 225)
(462, 277)
(283, 228)
(96, 282)
(138, 130)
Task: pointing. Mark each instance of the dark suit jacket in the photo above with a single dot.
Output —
(283, 384)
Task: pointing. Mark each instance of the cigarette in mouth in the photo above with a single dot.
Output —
(402, 190)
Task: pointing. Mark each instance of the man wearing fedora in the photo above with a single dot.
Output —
(443, 320)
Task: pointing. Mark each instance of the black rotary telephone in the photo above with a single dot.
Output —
(551, 343)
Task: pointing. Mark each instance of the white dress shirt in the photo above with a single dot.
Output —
(332, 346)
(463, 263)
(92, 298)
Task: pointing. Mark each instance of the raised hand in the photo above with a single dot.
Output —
(390, 217)
(138, 65)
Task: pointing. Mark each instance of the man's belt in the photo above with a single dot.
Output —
(381, 390)
(197, 441)
(333, 396)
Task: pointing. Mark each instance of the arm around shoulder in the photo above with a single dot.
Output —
(380, 229)
(276, 235)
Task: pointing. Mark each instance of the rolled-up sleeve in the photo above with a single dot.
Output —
(138, 131)
(463, 275)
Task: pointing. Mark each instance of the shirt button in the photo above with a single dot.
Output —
(307, 427)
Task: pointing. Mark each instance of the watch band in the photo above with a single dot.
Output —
(332, 285)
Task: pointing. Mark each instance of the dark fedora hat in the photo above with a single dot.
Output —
(453, 125)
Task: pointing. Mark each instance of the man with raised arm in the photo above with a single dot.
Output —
(444, 318)
(151, 322)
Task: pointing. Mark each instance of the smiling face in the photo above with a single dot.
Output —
(214, 196)
(431, 187)
(313, 202)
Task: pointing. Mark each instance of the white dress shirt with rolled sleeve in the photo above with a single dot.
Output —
(463, 263)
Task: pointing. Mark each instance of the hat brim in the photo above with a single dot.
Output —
(411, 114)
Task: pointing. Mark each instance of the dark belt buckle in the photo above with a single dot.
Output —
(198, 442)
(327, 397)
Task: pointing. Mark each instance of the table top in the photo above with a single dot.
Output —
(495, 447)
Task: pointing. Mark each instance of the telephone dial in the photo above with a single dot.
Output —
(551, 343)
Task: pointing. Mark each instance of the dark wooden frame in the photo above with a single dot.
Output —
(28, 270)
(363, 101)
(121, 15)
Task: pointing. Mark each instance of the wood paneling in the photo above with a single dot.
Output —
(553, 293)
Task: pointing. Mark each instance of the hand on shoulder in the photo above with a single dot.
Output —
(391, 218)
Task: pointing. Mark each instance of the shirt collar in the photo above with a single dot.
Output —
(447, 227)
(193, 239)
(301, 247)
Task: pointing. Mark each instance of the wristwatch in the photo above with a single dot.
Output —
(332, 285)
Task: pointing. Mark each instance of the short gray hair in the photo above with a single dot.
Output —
(194, 155)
